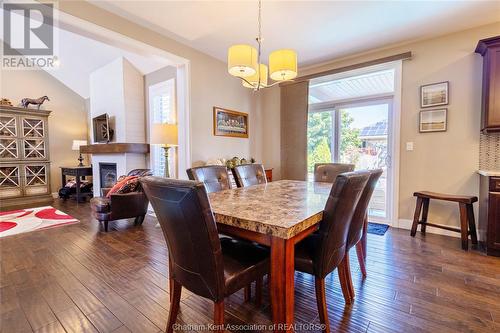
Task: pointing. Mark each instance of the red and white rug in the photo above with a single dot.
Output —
(25, 220)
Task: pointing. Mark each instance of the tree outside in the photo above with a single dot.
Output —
(350, 143)
(319, 142)
(319, 139)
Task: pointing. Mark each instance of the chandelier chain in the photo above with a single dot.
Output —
(259, 41)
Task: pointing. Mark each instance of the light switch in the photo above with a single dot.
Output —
(409, 146)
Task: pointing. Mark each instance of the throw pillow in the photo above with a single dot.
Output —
(119, 185)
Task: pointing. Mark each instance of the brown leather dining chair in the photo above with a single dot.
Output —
(328, 172)
(358, 222)
(199, 260)
(215, 177)
(249, 174)
(323, 251)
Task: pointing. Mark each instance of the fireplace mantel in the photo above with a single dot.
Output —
(115, 148)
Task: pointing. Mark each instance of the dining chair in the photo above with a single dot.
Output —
(322, 252)
(215, 177)
(358, 222)
(328, 172)
(249, 174)
(199, 261)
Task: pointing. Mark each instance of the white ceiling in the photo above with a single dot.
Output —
(79, 56)
(317, 30)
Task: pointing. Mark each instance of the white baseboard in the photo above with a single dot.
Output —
(406, 224)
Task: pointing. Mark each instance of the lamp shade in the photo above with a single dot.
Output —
(283, 65)
(164, 134)
(77, 143)
(242, 60)
(254, 79)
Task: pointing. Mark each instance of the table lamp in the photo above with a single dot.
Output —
(76, 146)
(165, 135)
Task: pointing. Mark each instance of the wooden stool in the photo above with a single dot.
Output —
(467, 223)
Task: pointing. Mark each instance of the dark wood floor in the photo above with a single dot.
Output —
(78, 279)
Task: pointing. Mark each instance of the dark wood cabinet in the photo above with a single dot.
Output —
(489, 214)
(489, 48)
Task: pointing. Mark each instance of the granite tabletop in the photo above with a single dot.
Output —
(282, 208)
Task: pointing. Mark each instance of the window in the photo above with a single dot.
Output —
(162, 110)
(349, 121)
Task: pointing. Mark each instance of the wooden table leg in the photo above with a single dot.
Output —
(77, 178)
(416, 216)
(464, 227)
(425, 213)
(282, 283)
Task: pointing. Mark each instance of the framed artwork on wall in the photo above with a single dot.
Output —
(434, 94)
(433, 120)
(230, 123)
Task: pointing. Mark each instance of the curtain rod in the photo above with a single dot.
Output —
(400, 56)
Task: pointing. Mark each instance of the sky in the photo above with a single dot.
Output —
(368, 115)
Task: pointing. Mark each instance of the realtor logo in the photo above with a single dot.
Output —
(28, 35)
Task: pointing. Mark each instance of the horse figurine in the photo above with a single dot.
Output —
(35, 101)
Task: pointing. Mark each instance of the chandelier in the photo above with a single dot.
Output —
(243, 61)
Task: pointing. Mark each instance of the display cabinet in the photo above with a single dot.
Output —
(24, 157)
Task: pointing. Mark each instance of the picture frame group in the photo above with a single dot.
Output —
(431, 96)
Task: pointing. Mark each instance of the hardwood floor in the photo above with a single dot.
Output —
(78, 279)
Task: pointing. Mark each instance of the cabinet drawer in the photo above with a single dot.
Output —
(495, 184)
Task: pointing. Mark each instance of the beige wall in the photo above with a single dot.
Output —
(443, 162)
(210, 85)
(67, 122)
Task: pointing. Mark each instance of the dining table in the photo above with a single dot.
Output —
(277, 214)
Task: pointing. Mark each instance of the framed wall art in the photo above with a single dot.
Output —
(435, 94)
(230, 123)
(433, 120)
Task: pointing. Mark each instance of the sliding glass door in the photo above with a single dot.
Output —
(364, 140)
(356, 133)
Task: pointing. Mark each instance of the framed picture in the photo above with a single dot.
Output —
(433, 120)
(434, 94)
(230, 123)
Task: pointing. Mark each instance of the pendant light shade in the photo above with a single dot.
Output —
(242, 60)
(283, 65)
(254, 79)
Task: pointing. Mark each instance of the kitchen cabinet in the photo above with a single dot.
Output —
(489, 214)
(489, 48)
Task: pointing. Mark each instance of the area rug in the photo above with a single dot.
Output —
(25, 220)
(377, 228)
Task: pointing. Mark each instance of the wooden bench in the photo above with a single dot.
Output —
(467, 223)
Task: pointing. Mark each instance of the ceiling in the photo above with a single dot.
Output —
(317, 30)
(75, 64)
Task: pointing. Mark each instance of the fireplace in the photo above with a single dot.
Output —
(107, 174)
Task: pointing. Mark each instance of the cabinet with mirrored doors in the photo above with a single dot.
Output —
(24, 157)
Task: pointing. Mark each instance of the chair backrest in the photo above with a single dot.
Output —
(215, 177)
(140, 172)
(183, 210)
(334, 227)
(358, 218)
(249, 174)
(328, 172)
